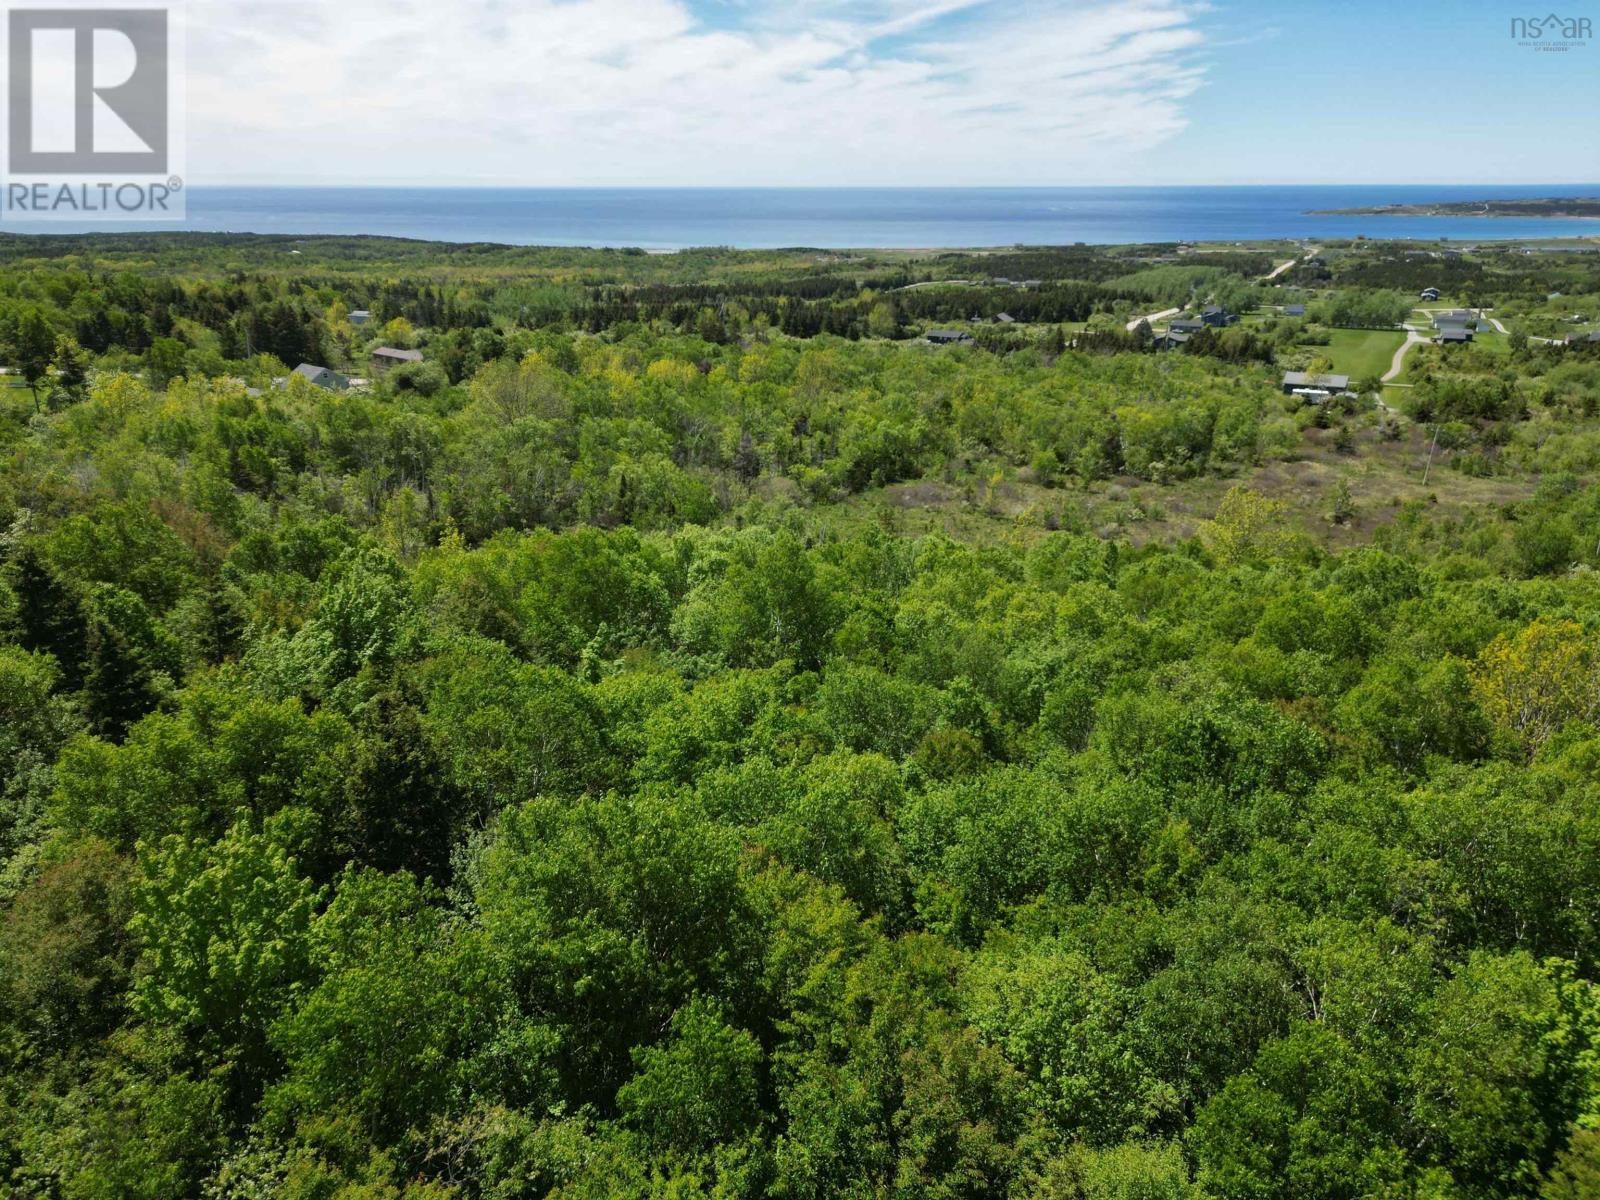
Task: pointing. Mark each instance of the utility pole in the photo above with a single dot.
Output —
(1431, 449)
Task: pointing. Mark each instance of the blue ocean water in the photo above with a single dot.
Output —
(674, 218)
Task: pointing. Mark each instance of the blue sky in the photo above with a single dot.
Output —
(882, 92)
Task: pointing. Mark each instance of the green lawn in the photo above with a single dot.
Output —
(1358, 352)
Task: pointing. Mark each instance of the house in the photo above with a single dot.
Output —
(1453, 335)
(1430, 293)
(1005, 319)
(385, 357)
(948, 337)
(1186, 326)
(322, 377)
(1294, 310)
(359, 316)
(1169, 340)
(1298, 383)
(1213, 314)
(1590, 338)
(1455, 318)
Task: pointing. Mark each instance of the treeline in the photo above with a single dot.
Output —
(645, 431)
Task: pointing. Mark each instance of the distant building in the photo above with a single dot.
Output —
(948, 337)
(385, 357)
(1294, 310)
(1298, 383)
(322, 377)
(1005, 319)
(1430, 293)
(1169, 340)
(1186, 326)
(359, 316)
(1213, 314)
(1456, 318)
(1453, 334)
(1592, 337)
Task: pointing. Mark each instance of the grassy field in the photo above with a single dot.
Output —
(1358, 352)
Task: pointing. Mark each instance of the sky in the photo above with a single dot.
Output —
(882, 92)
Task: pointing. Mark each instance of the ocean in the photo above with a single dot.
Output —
(843, 218)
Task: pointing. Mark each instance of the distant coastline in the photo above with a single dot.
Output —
(869, 218)
(1572, 208)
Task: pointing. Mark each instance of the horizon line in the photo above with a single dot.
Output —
(846, 187)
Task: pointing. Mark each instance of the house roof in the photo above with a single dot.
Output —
(948, 335)
(397, 355)
(318, 375)
(1186, 326)
(1006, 318)
(1294, 310)
(1455, 335)
(1331, 383)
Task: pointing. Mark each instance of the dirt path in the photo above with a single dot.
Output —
(1282, 267)
(1154, 317)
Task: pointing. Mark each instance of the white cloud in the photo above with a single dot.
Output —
(654, 92)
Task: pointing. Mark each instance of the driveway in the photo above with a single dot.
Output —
(1398, 363)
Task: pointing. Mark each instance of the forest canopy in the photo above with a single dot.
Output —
(560, 768)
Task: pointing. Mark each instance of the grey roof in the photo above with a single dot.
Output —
(321, 376)
(397, 355)
(948, 335)
(1329, 383)
(1294, 310)
(1006, 319)
(1455, 335)
(1186, 326)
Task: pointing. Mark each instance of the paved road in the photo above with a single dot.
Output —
(1154, 317)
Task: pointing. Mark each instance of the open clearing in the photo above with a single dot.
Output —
(1361, 352)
